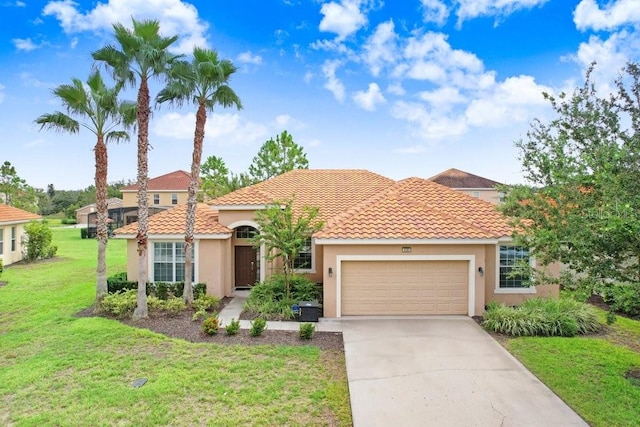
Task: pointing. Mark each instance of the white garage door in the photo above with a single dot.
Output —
(404, 287)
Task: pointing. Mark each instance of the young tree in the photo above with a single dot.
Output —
(14, 191)
(277, 157)
(582, 205)
(217, 180)
(285, 233)
(96, 108)
(204, 82)
(143, 54)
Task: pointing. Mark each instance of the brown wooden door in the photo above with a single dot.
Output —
(246, 266)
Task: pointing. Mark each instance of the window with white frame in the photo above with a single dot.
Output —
(304, 258)
(13, 239)
(510, 258)
(174, 199)
(1, 241)
(156, 198)
(168, 262)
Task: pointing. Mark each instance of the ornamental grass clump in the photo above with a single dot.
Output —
(542, 317)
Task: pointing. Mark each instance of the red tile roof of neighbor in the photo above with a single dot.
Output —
(172, 221)
(11, 214)
(178, 180)
(415, 208)
(455, 178)
(332, 190)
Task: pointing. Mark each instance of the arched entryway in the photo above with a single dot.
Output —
(248, 265)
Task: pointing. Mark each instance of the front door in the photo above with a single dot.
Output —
(246, 266)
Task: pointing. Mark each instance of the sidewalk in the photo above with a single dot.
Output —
(234, 308)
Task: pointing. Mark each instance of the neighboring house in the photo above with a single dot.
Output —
(165, 191)
(468, 183)
(12, 221)
(411, 247)
(82, 214)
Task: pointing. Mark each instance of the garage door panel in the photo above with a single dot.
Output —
(404, 287)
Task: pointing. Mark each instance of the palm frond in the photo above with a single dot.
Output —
(58, 121)
(117, 136)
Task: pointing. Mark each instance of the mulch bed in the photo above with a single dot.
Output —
(183, 327)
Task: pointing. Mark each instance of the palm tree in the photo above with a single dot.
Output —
(204, 82)
(102, 114)
(143, 54)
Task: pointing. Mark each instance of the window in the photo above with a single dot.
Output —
(510, 257)
(245, 232)
(156, 199)
(13, 239)
(304, 259)
(476, 194)
(1, 241)
(168, 262)
(174, 199)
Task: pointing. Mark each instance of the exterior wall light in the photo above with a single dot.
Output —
(330, 272)
(481, 271)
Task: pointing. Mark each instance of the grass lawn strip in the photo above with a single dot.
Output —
(56, 369)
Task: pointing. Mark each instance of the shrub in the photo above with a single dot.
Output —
(199, 289)
(51, 251)
(204, 303)
(210, 325)
(542, 317)
(269, 297)
(174, 306)
(84, 233)
(624, 298)
(164, 290)
(155, 303)
(118, 282)
(38, 240)
(258, 326)
(120, 304)
(306, 331)
(233, 327)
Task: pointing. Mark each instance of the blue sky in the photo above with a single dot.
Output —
(402, 88)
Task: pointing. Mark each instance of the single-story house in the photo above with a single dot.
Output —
(468, 183)
(82, 214)
(409, 247)
(12, 221)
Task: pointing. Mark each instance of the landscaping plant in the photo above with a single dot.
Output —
(258, 326)
(306, 331)
(204, 303)
(211, 324)
(233, 327)
(269, 299)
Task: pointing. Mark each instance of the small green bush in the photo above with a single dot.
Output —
(83, 233)
(203, 304)
(199, 289)
(233, 327)
(210, 325)
(38, 240)
(268, 298)
(542, 317)
(258, 326)
(624, 298)
(120, 304)
(174, 306)
(155, 303)
(51, 251)
(118, 282)
(306, 331)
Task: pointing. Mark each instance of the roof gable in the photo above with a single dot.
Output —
(331, 190)
(9, 214)
(455, 178)
(415, 208)
(177, 181)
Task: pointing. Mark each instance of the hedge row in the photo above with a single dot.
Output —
(163, 290)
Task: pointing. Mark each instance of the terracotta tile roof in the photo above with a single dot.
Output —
(11, 214)
(332, 190)
(415, 208)
(172, 221)
(178, 180)
(455, 178)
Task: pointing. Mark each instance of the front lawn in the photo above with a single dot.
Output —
(57, 369)
(589, 372)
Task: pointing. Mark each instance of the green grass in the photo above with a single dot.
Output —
(589, 372)
(56, 369)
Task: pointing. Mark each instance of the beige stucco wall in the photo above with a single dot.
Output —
(8, 256)
(488, 195)
(331, 252)
(130, 198)
(213, 262)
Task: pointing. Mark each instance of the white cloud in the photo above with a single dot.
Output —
(249, 58)
(330, 46)
(333, 84)
(381, 47)
(20, 4)
(443, 97)
(25, 44)
(414, 149)
(225, 129)
(343, 18)
(515, 100)
(428, 124)
(175, 17)
(588, 14)
(469, 9)
(285, 121)
(434, 11)
(28, 80)
(369, 99)
(396, 89)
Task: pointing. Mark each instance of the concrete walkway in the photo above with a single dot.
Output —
(234, 308)
(442, 371)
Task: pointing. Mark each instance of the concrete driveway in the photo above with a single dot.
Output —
(442, 371)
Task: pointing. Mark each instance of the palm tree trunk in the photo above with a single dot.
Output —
(142, 310)
(194, 185)
(100, 151)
